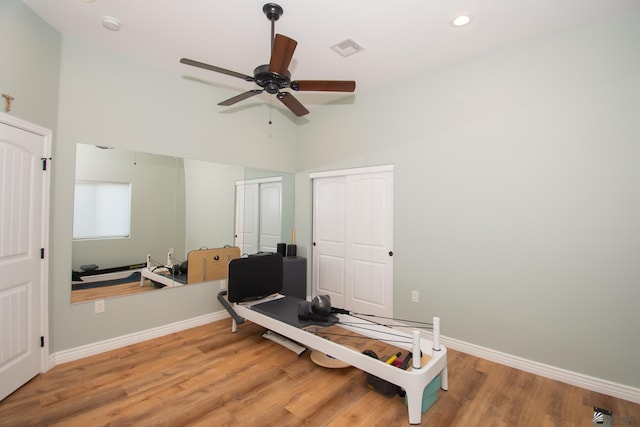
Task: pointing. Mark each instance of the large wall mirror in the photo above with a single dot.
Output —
(174, 205)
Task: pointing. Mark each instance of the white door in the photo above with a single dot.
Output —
(353, 240)
(247, 217)
(258, 215)
(24, 226)
(369, 237)
(329, 216)
(270, 216)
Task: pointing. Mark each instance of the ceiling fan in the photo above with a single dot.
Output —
(274, 76)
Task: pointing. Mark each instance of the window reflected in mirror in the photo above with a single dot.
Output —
(101, 210)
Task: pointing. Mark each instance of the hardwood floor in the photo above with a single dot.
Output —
(92, 294)
(207, 376)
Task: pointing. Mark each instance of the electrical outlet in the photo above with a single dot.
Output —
(98, 306)
(415, 296)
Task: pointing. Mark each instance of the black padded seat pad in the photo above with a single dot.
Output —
(286, 310)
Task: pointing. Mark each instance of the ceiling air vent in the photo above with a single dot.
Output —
(347, 47)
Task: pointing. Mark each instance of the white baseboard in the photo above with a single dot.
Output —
(598, 385)
(586, 382)
(136, 337)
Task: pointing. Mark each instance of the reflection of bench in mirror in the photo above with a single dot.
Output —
(92, 276)
(107, 283)
(207, 265)
(203, 265)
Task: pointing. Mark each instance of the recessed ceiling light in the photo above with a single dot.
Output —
(111, 23)
(461, 20)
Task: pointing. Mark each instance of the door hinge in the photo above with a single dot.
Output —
(41, 253)
(42, 341)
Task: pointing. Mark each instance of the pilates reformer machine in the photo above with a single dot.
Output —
(253, 295)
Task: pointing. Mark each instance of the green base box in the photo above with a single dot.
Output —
(430, 394)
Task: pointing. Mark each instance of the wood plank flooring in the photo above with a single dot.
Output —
(92, 294)
(208, 376)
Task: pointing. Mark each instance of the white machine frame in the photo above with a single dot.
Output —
(147, 273)
(413, 381)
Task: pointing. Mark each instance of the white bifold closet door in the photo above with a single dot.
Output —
(258, 215)
(353, 239)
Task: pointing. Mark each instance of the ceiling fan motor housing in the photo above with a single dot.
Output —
(271, 82)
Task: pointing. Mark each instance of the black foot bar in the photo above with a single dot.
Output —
(228, 307)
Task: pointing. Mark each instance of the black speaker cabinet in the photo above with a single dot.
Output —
(294, 277)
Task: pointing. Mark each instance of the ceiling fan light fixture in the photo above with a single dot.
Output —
(347, 47)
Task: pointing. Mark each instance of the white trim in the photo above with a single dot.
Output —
(259, 180)
(353, 171)
(587, 382)
(72, 354)
(25, 125)
(44, 272)
(46, 220)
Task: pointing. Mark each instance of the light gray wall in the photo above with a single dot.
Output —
(517, 195)
(30, 52)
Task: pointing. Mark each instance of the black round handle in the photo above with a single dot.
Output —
(390, 253)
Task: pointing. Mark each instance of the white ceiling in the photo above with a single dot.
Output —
(400, 39)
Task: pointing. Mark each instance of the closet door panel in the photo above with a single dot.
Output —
(369, 237)
(368, 286)
(270, 216)
(247, 215)
(329, 234)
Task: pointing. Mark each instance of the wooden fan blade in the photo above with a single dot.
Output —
(281, 54)
(216, 69)
(324, 85)
(292, 103)
(240, 97)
